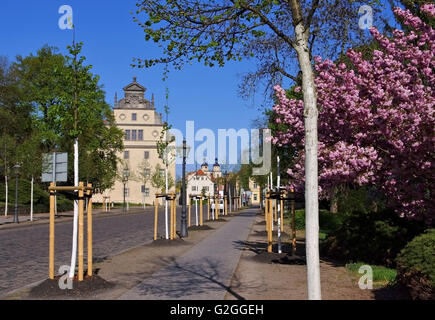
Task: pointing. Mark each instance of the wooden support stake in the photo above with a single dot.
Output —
(225, 205)
(208, 208)
(266, 211)
(174, 210)
(293, 227)
(269, 226)
(89, 226)
(81, 195)
(156, 211)
(266, 215)
(51, 242)
(175, 222)
(201, 220)
(282, 215)
(216, 208)
(171, 215)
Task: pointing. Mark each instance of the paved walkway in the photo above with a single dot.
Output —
(205, 271)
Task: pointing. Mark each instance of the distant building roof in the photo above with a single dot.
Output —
(134, 97)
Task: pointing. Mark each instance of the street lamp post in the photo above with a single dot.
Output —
(225, 183)
(125, 175)
(16, 168)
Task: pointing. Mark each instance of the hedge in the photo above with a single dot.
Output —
(416, 266)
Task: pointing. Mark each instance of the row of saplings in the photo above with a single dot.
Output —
(360, 233)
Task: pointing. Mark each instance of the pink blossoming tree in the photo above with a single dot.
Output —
(376, 120)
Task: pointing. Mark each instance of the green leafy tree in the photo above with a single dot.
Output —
(68, 103)
(144, 173)
(15, 121)
(158, 179)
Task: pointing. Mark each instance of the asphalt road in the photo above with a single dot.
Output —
(24, 250)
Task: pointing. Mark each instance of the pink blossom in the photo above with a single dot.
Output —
(376, 120)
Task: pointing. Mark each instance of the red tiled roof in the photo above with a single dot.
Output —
(198, 173)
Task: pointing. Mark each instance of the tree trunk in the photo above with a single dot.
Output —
(166, 205)
(375, 206)
(333, 208)
(311, 161)
(31, 199)
(261, 197)
(6, 195)
(76, 212)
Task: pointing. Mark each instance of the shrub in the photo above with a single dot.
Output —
(41, 201)
(327, 221)
(416, 266)
(361, 199)
(373, 237)
(299, 219)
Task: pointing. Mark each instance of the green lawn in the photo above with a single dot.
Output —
(382, 276)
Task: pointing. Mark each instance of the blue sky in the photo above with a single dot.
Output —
(111, 39)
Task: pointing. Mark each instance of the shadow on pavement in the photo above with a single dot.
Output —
(190, 279)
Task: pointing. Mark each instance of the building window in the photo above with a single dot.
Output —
(255, 186)
(147, 173)
(193, 188)
(134, 116)
(145, 191)
(206, 188)
(127, 192)
(162, 172)
(146, 155)
(126, 154)
(127, 135)
(140, 135)
(255, 197)
(134, 135)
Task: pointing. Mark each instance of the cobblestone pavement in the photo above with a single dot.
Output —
(24, 250)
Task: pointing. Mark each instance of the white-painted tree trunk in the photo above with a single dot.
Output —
(6, 195)
(273, 208)
(31, 199)
(311, 164)
(278, 178)
(76, 211)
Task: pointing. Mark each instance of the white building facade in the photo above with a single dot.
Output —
(142, 126)
(203, 181)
